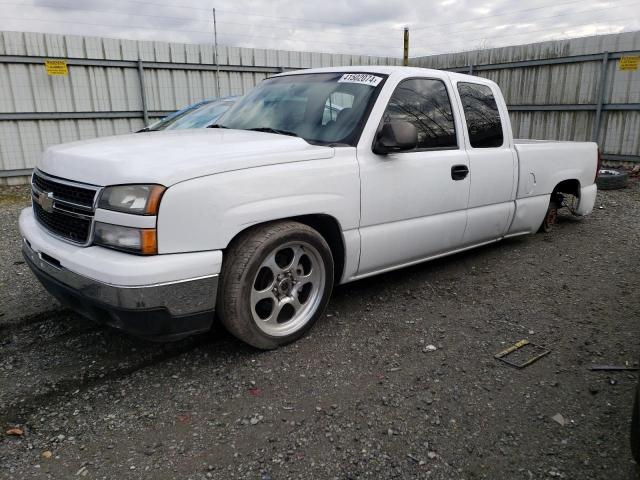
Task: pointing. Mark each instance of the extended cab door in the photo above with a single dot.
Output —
(413, 202)
(492, 161)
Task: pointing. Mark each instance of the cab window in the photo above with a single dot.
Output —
(482, 115)
(425, 103)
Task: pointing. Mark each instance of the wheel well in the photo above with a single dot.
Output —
(570, 187)
(330, 230)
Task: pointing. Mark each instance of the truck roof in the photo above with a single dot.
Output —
(388, 70)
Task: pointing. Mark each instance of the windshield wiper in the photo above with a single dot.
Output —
(272, 130)
(216, 125)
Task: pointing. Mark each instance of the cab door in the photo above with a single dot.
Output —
(413, 203)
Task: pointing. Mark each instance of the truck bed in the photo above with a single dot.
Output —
(543, 164)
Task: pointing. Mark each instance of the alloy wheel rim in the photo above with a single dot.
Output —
(287, 288)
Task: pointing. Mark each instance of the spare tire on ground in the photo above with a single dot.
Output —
(610, 179)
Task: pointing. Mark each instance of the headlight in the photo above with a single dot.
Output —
(137, 199)
(135, 240)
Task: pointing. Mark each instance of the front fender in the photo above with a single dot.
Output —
(206, 213)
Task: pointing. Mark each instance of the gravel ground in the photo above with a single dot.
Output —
(364, 395)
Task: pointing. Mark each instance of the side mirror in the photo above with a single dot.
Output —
(395, 136)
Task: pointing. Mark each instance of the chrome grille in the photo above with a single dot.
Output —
(63, 207)
(77, 195)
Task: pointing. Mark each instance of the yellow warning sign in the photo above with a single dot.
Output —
(56, 67)
(629, 63)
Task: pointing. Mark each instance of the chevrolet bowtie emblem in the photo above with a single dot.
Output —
(45, 199)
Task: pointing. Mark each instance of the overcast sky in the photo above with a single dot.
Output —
(372, 27)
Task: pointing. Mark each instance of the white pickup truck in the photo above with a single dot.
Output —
(315, 178)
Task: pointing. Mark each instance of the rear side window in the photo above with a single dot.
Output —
(425, 103)
(481, 113)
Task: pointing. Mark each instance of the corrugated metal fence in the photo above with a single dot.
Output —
(114, 84)
(564, 90)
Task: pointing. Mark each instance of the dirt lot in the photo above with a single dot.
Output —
(362, 396)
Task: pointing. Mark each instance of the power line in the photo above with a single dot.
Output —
(556, 38)
(194, 20)
(249, 14)
(513, 12)
(317, 41)
(102, 24)
(489, 39)
(522, 33)
(541, 18)
(230, 12)
(299, 19)
(165, 5)
(203, 32)
(280, 38)
(95, 10)
(451, 23)
(376, 37)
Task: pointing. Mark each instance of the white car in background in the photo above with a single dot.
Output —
(315, 178)
(197, 115)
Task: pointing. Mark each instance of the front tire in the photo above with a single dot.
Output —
(276, 282)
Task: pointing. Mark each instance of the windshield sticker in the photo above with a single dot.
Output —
(363, 78)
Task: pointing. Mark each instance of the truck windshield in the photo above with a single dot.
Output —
(321, 108)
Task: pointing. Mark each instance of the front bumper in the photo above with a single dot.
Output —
(162, 312)
(167, 310)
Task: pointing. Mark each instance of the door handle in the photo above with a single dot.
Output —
(459, 172)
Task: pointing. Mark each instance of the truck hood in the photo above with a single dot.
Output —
(170, 157)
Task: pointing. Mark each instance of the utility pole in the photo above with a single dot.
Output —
(215, 53)
(405, 56)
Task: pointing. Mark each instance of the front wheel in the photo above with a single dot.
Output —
(276, 282)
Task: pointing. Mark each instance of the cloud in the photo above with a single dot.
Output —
(371, 27)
